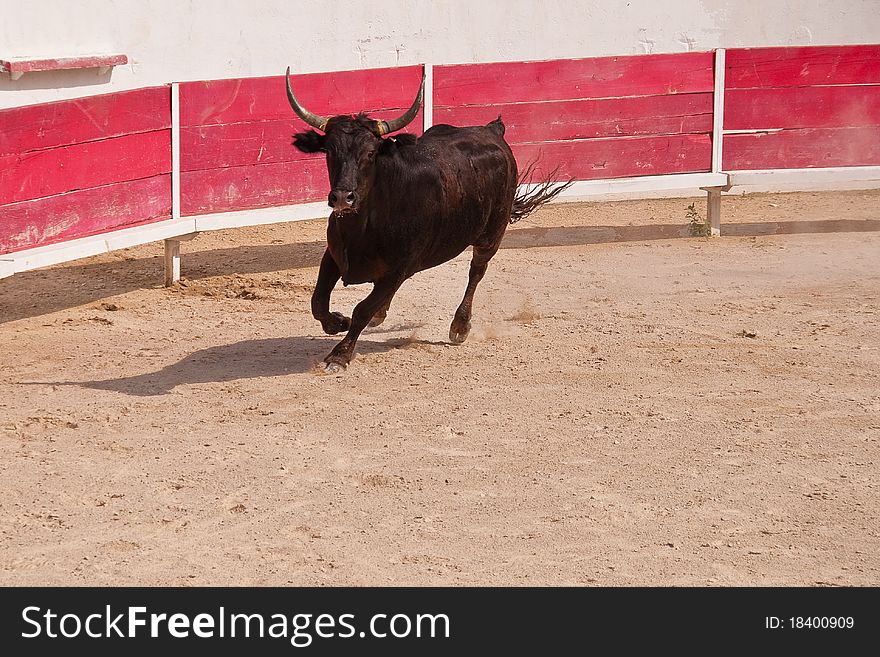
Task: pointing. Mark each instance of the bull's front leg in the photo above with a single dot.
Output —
(328, 275)
(379, 298)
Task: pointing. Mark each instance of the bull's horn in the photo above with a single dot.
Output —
(313, 120)
(402, 121)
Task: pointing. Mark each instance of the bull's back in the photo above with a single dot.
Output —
(482, 146)
(437, 195)
(477, 176)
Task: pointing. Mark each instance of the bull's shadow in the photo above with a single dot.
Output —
(248, 359)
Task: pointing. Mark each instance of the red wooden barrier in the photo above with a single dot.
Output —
(624, 157)
(236, 135)
(38, 174)
(587, 119)
(606, 117)
(254, 186)
(83, 167)
(802, 107)
(817, 107)
(86, 212)
(51, 125)
(564, 79)
(804, 148)
(80, 167)
(801, 66)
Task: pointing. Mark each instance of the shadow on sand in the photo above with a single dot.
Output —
(248, 359)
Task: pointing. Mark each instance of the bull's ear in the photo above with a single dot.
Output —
(309, 142)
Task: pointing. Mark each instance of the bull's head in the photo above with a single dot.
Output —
(351, 143)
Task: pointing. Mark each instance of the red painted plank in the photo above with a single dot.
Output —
(802, 107)
(566, 79)
(257, 186)
(328, 94)
(253, 142)
(86, 212)
(585, 119)
(86, 119)
(60, 63)
(804, 148)
(57, 170)
(801, 66)
(621, 157)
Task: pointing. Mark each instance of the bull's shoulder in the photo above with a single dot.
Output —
(447, 147)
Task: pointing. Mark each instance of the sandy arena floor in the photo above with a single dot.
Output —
(633, 407)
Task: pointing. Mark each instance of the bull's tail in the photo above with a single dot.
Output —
(532, 196)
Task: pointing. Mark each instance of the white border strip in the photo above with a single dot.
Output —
(718, 111)
(261, 216)
(828, 178)
(679, 184)
(83, 247)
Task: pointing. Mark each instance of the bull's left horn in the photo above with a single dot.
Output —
(312, 119)
(402, 121)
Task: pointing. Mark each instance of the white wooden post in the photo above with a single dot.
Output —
(172, 244)
(428, 106)
(172, 262)
(713, 202)
(713, 211)
(172, 257)
(175, 151)
(718, 111)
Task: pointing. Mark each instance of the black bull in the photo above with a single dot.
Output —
(404, 204)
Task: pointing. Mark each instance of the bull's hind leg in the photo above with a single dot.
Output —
(380, 315)
(328, 275)
(461, 323)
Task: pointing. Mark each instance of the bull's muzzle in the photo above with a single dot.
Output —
(342, 200)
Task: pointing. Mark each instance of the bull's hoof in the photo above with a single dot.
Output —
(459, 333)
(333, 368)
(336, 323)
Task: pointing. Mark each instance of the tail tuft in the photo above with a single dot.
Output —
(532, 196)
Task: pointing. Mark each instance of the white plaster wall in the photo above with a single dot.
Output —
(175, 40)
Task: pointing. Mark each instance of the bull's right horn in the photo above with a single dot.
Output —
(312, 119)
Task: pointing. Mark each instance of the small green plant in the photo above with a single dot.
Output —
(698, 226)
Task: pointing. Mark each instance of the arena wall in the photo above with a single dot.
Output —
(169, 40)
